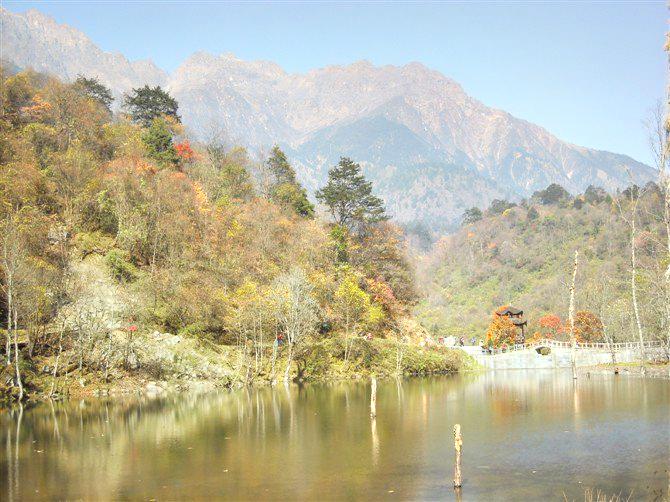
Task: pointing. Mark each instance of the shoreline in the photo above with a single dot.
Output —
(170, 364)
(653, 370)
(317, 362)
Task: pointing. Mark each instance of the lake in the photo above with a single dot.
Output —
(527, 436)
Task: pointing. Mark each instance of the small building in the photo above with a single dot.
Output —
(516, 316)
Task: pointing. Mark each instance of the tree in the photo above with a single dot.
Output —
(93, 89)
(658, 127)
(594, 195)
(380, 253)
(353, 308)
(472, 215)
(571, 317)
(553, 194)
(146, 104)
(184, 151)
(296, 310)
(551, 326)
(18, 94)
(499, 206)
(285, 188)
(632, 197)
(295, 198)
(158, 141)
(226, 174)
(279, 167)
(501, 331)
(588, 327)
(349, 197)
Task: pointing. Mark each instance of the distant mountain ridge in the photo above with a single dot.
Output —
(430, 149)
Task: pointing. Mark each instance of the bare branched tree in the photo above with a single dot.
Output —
(658, 127)
(297, 310)
(629, 215)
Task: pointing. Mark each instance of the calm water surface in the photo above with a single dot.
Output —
(527, 436)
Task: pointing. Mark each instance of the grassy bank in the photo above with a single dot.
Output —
(161, 362)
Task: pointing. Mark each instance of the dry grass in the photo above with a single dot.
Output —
(593, 495)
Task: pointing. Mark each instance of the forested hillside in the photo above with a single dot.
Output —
(121, 238)
(522, 255)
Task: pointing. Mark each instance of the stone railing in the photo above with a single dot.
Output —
(600, 346)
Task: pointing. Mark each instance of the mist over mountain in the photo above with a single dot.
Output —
(430, 149)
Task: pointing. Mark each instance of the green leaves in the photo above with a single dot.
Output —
(472, 215)
(285, 188)
(147, 103)
(93, 89)
(158, 141)
(348, 196)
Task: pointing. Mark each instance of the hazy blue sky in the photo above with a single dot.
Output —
(588, 72)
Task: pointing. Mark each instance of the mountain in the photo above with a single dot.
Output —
(34, 40)
(430, 149)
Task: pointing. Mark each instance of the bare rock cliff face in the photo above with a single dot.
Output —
(33, 40)
(430, 149)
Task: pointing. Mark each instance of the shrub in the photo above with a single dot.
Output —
(93, 242)
(120, 266)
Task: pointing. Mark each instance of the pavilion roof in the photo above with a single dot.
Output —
(510, 311)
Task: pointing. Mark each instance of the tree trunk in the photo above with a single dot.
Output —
(287, 373)
(16, 357)
(55, 371)
(633, 286)
(571, 313)
(8, 346)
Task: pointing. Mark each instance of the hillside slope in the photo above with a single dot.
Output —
(523, 257)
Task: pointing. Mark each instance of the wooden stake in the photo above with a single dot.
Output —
(373, 398)
(458, 446)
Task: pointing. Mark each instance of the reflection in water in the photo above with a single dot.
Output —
(527, 436)
(375, 442)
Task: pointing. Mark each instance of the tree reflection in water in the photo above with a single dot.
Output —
(528, 435)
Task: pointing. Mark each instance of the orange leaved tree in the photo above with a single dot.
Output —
(501, 331)
(551, 326)
(588, 327)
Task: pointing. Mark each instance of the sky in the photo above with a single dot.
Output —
(589, 72)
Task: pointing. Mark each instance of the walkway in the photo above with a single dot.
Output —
(552, 354)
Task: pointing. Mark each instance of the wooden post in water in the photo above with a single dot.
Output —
(373, 398)
(458, 446)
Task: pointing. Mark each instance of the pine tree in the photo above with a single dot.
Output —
(146, 103)
(285, 188)
(92, 88)
(472, 215)
(158, 140)
(348, 196)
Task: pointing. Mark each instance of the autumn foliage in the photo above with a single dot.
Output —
(501, 331)
(191, 229)
(588, 327)
(184, 151)
(551, 327)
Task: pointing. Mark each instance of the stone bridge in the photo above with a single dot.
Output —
(547, 354)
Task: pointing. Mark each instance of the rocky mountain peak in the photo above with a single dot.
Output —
(430, 148)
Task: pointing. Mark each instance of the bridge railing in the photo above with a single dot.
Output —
(647, 344)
